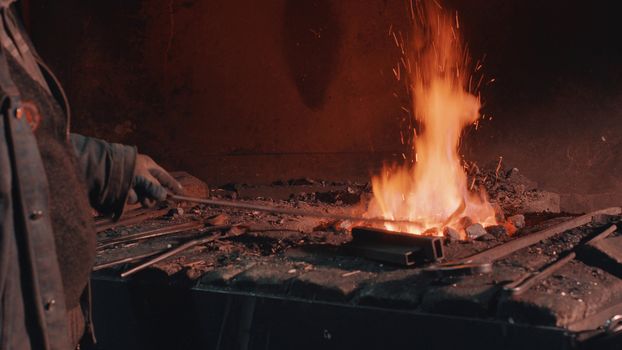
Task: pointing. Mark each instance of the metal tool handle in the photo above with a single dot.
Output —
(288, 211)
(537, 277)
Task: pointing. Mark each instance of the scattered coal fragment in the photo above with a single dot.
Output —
(517, 220)
(465, 221)
(475, 231)
(217, 220)
(497, 231)
(301, 182)
(347, 197)
(486, 237)
(451, 233)
(175, 212)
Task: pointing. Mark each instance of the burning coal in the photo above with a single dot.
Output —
(432, 188)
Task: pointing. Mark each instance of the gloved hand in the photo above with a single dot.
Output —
(151, 182)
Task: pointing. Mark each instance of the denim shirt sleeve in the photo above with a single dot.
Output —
(108, 170)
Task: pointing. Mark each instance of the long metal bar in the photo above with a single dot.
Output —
(288, 211)
(510, 247)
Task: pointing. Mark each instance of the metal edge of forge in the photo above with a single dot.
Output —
(395, 247)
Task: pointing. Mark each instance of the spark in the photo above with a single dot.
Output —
(498, 167)
(317, 33)
(402, 43)
(395, 39)
(404, 63)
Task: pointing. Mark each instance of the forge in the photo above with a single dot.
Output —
(258, 279)
(363, 174)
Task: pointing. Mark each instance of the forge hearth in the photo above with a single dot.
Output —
(290, 278)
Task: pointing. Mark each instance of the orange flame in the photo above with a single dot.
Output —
(434, 191)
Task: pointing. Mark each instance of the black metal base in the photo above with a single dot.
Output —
(141, 315)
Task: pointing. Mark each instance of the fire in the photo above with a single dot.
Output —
(432, 190)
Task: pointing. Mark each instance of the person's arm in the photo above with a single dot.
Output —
(108, 170)
(116, 174)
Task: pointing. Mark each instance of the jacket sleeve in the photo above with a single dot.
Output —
(108, 169)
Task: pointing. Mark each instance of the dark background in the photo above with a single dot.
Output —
(257, 91)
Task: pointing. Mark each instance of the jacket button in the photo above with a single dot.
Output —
(49, 304)
(36, 214)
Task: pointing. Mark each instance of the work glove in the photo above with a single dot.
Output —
(151, 182)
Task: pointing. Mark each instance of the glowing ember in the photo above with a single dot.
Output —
(433, 190)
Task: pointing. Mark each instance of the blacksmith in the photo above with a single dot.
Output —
(49, 179)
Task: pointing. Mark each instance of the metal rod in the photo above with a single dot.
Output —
(103, 226)
(177, 250)
(603, 234)
(535, 278)
(288, 211)
(126, 260)
(506, 249)
(159, 232)
(524, 284)
(128, 214)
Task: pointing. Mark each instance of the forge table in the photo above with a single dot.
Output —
(317, 297)
(289, 284)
